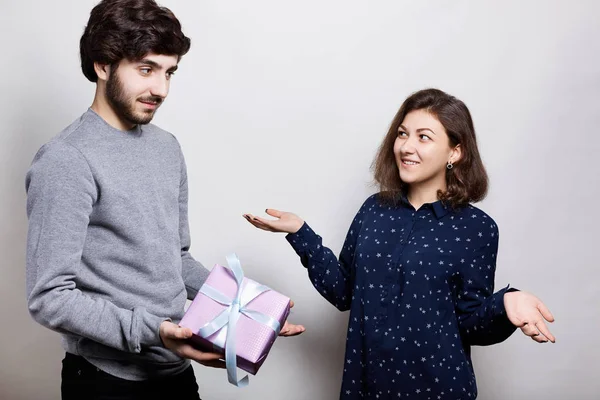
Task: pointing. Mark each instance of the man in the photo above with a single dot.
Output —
(108, 262)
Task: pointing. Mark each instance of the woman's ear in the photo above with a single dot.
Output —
(455, 154)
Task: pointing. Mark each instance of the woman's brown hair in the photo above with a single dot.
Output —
(467, 181)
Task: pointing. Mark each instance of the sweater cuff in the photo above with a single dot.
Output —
(148, 328)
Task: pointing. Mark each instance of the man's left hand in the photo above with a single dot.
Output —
(291, 329)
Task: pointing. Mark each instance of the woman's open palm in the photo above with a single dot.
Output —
(285, 222)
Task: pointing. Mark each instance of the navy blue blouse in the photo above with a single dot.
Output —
(419, 287)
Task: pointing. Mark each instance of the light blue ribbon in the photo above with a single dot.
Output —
(226, 321)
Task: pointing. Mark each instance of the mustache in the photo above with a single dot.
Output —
(151, 99)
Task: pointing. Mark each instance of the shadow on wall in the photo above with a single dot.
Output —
(31, 354)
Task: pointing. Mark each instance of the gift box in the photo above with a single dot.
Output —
(255, 311)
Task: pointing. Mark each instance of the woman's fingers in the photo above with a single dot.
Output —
(257, 223)
(545, 312)
(541, 326)
(274, 213)
(266, 222)
(530, 330)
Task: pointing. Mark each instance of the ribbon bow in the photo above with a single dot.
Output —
(226, 321)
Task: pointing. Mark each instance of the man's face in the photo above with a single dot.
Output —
(135, 89)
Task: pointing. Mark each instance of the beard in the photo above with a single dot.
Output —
(125, 105)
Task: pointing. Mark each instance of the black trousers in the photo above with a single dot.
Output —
(83, 381)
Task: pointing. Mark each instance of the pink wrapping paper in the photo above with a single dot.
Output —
(253, 339)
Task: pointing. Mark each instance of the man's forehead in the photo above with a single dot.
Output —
(160, 60)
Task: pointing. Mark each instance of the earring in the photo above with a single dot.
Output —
(449, 165)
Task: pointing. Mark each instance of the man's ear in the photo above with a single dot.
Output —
(102, 70)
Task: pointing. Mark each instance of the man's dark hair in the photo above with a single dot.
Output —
(129, 29)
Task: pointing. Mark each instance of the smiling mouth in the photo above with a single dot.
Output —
(151, 100)
(409, 163)
(150, 104)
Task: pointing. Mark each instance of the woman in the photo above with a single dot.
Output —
(417, 266)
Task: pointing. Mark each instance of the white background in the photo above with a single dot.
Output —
(282, 104)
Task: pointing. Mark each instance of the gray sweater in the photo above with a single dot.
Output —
(108, 241)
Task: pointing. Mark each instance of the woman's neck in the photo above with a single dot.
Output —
(423, 193)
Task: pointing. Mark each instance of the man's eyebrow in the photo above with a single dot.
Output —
(156, 65)
(151, 63)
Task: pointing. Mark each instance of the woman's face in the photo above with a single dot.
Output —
(422, 150)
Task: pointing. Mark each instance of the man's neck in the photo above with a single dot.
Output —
(107, 113)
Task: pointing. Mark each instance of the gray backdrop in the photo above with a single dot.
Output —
(282, 104)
